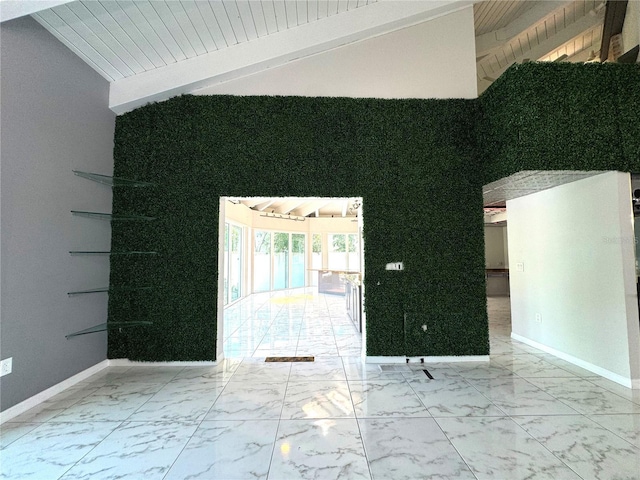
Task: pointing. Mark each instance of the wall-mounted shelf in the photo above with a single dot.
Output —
(102, 327)
(112, 181)
(77, 253)
(111, 216)
(110, 289)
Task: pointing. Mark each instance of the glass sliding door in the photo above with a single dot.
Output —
(316, 257)
(226, 263)
(297, 260)
(280, 260)
(262, 262)
(235, 263)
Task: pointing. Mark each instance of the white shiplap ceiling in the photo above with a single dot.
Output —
(151, 50)
(124, 38)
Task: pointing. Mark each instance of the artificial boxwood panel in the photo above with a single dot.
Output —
(560, 116)
(418, 164)
(412, 161)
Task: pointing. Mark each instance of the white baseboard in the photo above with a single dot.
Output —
(603, 372)
(427, 359)
(50, 392)
(124, 362)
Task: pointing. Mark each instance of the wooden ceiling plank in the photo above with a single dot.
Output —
(194, 36)
(132, 11)
(217, 7)
(247, 19)
(323, 9)
(211, 22)
(259, 20)
(269, 13)
(112, 25)
(166, 15)
(199, 23)
(235, 20)
(140, 40)
(281, 14)
(291, 8)
(76, 44)
(151, 16)
(302, 12)
(312, 10)
(105, 47)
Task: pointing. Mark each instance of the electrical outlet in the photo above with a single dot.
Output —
(538, 318)
(6, 366)
(395, 266)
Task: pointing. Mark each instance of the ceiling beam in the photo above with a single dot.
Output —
(274, 50)
(10, 9)
(311, 207)
(616, 11)
(290, 205)
(494, 40)
(552, 43)
(260, 207)
(253, 201)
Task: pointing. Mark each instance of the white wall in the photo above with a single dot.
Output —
(435, 59)
(495, 247)
(576, 243)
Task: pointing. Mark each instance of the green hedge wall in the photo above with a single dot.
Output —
(561, 116)
(412, 161)
(418, 164)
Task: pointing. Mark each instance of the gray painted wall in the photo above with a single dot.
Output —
(54, 119)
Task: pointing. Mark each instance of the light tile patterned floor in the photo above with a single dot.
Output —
(525, 414)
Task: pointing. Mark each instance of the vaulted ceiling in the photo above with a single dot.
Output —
(153, 49)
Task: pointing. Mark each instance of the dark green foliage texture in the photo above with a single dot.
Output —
(419, 166)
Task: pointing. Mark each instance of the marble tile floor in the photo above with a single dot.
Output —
(523, 415)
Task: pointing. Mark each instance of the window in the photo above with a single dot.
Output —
(279, 261)
(232, 263)
(343, 252)
(297, 260)
(316, 256)
(262, 262)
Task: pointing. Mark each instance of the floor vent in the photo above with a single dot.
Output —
(289, 359)
(426, 372)
(394, 368)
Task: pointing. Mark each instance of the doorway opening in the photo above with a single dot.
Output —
(290, 278)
